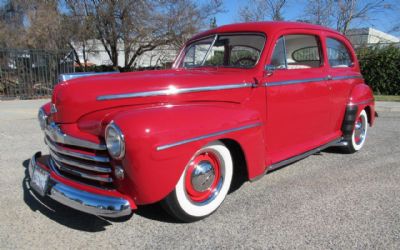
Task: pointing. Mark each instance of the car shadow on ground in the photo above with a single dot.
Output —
(78, 220)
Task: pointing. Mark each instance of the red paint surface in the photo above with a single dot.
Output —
(295, 118)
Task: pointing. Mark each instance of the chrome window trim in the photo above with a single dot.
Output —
(198, 138)
(86, 166)
(62, 151)
(190, 42)
(55, 133)
(173, 91)
(209, 49)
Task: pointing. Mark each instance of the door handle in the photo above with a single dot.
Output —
(329, 77)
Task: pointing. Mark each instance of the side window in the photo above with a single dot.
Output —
(297, 52)
(338, 54)
(279, 58)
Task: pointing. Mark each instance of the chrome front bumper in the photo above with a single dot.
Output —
(91, 203)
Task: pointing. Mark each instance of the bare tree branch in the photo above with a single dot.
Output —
(260, 10)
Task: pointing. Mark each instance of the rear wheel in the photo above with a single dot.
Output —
(203, 184)
(357, 140)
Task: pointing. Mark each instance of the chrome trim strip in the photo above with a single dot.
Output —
(304, 155)
(55, 133)
(209, 49)
(70, 76)
(166, 146)
(347, 77)
(87, 166)
(62, 167)
(60, 150)
(362, 102)
(172, 91)
(308, 80)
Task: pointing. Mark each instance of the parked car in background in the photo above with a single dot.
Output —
(242, 98)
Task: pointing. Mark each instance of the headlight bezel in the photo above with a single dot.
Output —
(42, 118)
(117, 155)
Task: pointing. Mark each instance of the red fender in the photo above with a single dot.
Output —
(362, 96)
(153, 171)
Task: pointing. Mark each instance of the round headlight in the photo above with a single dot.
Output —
(42, 117)
(115, 141)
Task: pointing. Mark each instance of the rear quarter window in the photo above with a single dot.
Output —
(338, 54)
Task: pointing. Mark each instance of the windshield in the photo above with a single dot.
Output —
(233, 50)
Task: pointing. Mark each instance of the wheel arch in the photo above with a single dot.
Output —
(240, 166)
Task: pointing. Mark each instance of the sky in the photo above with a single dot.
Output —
(294, 10)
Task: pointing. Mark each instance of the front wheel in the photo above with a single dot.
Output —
(203, 184)
(357, 140)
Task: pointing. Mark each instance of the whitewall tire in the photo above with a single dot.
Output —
(359, 134)
(203, 185)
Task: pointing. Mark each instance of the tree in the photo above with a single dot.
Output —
(11, 24)
(44, 25)
(136, 27)
(319, 12)
(213, 23)
(340, 14)
(32, 24)
(80, 31)
(260, 10)
(347, 11)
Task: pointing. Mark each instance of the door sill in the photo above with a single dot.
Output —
(339, 142)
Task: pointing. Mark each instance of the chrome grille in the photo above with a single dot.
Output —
(77, 159)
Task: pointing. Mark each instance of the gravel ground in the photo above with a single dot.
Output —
(329, 200)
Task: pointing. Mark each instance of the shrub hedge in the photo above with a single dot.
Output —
(380, 66)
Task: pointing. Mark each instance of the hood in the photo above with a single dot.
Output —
(77, 97)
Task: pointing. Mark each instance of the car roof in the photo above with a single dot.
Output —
(264, 27)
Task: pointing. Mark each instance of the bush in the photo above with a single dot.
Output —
(380, 67)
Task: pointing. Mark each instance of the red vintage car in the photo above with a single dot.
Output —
(243, 98)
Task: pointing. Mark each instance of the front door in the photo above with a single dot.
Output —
(298, 106)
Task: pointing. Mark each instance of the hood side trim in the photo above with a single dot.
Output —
(173, 90)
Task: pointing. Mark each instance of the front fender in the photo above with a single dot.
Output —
(152, 170)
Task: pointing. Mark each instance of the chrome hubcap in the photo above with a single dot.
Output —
(203, 176)
(359, 130)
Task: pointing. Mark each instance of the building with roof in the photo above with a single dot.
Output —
(367, 36)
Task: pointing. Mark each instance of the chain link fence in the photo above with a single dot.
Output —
(29, 74)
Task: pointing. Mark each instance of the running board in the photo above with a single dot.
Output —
(337, 142)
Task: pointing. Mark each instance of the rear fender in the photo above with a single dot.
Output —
(362, 97)
(160, 141)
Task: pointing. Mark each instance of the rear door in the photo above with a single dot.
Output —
(343, 73)
(298, 107)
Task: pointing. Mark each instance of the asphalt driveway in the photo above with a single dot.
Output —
(328, 200)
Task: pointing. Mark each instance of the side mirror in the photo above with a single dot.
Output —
(269, 69)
